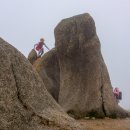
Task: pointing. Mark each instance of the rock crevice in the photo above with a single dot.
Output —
(17, 87)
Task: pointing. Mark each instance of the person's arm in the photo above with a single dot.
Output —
(46, 46)
(35, 45)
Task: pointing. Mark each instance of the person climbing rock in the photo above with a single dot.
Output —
(39, 47)
(117, 94)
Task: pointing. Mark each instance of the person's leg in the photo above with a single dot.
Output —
(117, 98)
(40, 52)
(37, 52)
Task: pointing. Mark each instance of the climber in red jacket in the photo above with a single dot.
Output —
(39, 47)
(116, 92)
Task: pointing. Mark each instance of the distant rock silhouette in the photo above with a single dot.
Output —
(25, 103)
(85, 85)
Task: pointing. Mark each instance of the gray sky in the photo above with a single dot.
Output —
(23, 22)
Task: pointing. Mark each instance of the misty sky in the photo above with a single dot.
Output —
(24, 22)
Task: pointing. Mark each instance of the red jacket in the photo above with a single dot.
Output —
(116, 91)
(39, 46)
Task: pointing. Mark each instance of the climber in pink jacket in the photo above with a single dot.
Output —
(116, 93)
(39, 47)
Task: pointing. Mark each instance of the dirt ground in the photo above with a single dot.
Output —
(107, 124)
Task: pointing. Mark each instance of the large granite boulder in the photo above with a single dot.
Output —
(85, 86)
(25, 103)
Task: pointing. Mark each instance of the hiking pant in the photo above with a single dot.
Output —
(40, 52)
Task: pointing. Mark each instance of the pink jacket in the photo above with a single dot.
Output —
(116, 91)
(39, 46)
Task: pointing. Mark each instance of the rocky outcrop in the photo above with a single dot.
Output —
(85, 85)
(48, 68)
(25, 103)
(32, 57)
(75, 73)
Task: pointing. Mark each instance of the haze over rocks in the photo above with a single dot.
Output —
(78, 74)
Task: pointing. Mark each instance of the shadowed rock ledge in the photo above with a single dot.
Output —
(48, 68)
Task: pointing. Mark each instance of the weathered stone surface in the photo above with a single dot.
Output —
(85, 85)
(25, 103)
(48, 68)
(32, 57)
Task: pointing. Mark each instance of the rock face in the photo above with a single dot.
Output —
(48, 68)
(75, 74)
(32, 57)
(85, 85)
(25, 103)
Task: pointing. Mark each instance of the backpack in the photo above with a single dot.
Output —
(120, 96)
